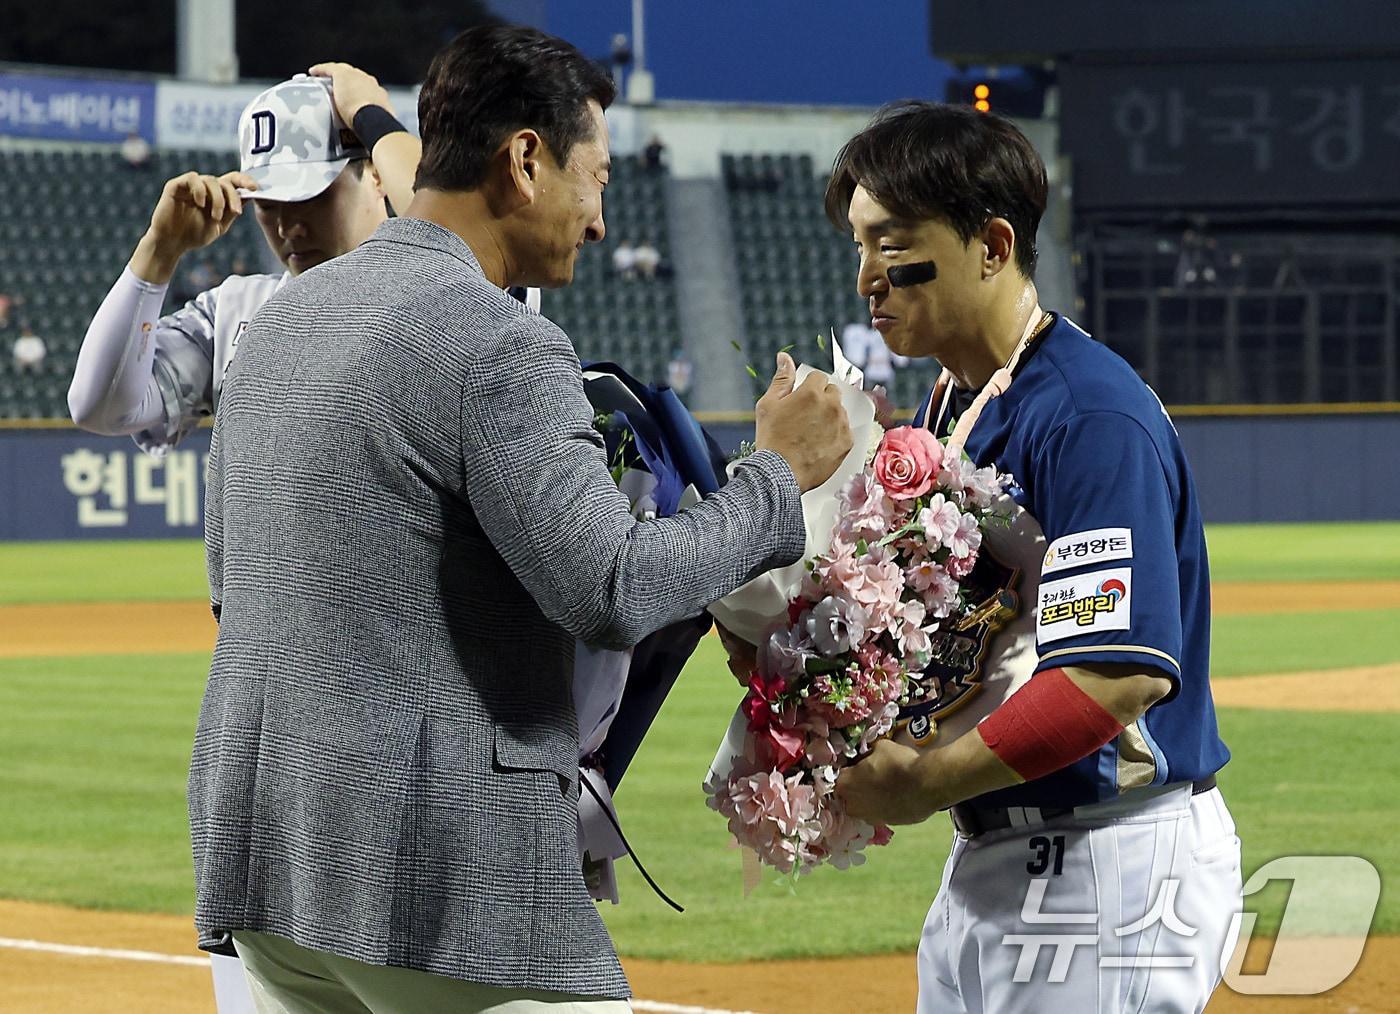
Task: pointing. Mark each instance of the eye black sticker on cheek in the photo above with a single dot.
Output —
(904, 275)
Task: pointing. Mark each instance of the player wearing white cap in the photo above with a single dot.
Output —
(317, 192)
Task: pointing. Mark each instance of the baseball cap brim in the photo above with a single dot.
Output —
(293, 181)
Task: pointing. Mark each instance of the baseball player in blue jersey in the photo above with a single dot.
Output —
(1095, 866)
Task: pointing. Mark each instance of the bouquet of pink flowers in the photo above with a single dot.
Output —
(833, 677)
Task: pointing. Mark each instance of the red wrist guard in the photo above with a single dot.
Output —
(1046, 725)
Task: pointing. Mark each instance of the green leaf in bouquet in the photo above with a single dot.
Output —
(996, 519)
(745, 448)
(785, 883)
(816, 665)
(912, 526)
(748, 367)
(791, 878)
(618, 464)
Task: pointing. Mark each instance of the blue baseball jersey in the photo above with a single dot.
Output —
(1098, 464)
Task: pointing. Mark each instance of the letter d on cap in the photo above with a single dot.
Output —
(264, 132)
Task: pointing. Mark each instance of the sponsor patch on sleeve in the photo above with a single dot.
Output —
(1084, 604)
(1084, 548)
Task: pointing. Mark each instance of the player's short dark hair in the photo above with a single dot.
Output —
(356, 166)
(924, 160)
(492, 80)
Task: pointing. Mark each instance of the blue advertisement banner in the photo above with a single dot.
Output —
(76, 109)
(66, 484)
(205, 116)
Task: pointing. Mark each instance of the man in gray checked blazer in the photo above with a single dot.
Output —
(410, 518)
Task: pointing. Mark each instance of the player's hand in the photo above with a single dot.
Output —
(743, 656)
(807, 426)
(352, 89)
(195, 210)
(887, 785)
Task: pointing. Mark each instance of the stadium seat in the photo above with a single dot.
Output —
(633, 323)
(67, 228)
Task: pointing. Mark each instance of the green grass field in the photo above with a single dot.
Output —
(93, 755)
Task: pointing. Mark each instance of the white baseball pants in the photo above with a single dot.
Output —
(1124, 907)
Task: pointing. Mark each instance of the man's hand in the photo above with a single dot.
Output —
(887, 786)
(743, 656)
(807, 426)
(352, 89)
(394, 156)
(193, 211)
(897, 784)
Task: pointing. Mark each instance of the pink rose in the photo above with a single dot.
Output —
(907, 462)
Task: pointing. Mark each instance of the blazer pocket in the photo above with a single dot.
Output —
(530, 748)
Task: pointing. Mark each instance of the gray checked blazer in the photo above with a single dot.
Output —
(409, 520)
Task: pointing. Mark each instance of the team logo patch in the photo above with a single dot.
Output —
(916, 724)
(1085, 548)
(1084, 605)
(954, 676)
(264, 132)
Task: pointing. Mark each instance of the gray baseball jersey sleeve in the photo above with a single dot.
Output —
(194, 346)
(156, 378)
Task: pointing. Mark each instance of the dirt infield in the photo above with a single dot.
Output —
(164, 973)
(1242, 598)
(1371, 688)
(40, 982)
(148, 627)
(61, 630)
(105, 628)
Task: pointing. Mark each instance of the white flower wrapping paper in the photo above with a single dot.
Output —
(750, 610)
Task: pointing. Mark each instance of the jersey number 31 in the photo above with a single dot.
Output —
(1043, 846)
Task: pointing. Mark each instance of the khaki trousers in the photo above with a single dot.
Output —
(286, 978)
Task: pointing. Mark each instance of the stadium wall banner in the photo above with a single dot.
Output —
(205, 117)
(1240, 134)
(66, 484)
(61, 483)
(76, 109)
